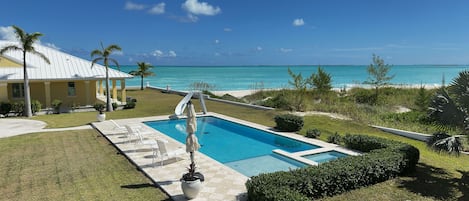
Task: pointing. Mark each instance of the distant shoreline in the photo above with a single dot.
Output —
(242, 93)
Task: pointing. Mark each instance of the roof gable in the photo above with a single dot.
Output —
(5, 62)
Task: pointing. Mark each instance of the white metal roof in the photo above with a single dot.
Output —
(62, 66)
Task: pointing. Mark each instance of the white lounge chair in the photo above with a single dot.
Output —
(134, 132)
(168, 154)
(151, 142)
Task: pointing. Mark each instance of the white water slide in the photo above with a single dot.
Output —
(179, 110)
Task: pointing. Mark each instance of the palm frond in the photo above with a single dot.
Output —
(10, 48)
(20, 34)
(41, 55)
(96, 53)
(95, 61)
(115, 62)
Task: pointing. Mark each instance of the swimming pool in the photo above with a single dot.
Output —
(325, 156)
(247, 150)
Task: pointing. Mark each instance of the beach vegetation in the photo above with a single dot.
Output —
(313, 133)
(321, 81)
(26, 45)
(378, 74)
(202, 86)
(104, 54)
(422, 100)
(300, 86)
(143, 70)
(335, 138)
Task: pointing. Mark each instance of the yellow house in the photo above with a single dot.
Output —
(67, 78)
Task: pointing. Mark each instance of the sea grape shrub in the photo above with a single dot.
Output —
(365, 96)
(130, 105)
(114, 106)
(289, 122)
(279, 101)
(334, 138)
(388, 160)
(18, 108)
(313, 133)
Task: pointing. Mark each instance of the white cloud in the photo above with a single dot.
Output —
(161, 54)
(298, 22)
(227, 30)
(172, 53)
(217, 41)
(8, 33)
(200, 8)
(259, 48)
(158, 9)
(285, 50)
(192, 18)
(157, 53)
(133, 6)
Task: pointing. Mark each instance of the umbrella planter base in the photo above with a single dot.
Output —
(192, 186)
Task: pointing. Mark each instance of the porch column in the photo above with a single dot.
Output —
(87, 92)
(123, 92)
(4, 92)
(114, 90)
(101, 90)
(47, 94)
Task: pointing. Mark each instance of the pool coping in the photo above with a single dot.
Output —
(221, 182)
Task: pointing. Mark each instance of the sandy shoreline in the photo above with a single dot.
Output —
(242, 93)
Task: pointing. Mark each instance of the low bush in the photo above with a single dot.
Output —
(56, 103)
(35, 106)
(365, 96)
(130, 105)
(289, 122)
(18, 108)
(313, 133)
(5, 108)
(334, 138)
(114, 106)
(279, 101)
(388, 160)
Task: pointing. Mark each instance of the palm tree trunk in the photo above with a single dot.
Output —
(27, 94)
(141, 83)
(108, 91)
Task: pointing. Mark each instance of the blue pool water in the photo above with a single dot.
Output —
(325, 156)
(245, 149)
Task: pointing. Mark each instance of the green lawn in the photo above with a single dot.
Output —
(69, 165)
(438, 176)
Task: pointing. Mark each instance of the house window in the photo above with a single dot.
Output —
(17, 90)
(71, 89)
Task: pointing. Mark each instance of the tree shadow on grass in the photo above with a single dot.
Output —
(137, 186)
(435, 182)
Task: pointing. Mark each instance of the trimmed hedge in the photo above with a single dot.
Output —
(289, 122)
(387, 160)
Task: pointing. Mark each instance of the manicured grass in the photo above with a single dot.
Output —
(69, 165)
(438, 176)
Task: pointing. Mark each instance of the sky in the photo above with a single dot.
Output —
(250, 32)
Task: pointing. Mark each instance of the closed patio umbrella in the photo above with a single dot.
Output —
(192, 143)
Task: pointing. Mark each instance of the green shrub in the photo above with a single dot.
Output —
(56, 103)
(114, 106)
(289, 122)
(18, 108)
(334, 138)
(388, 160)
(5, 108)
(35, 106)
(313, 133)
(279, 101)
(99, 107)
(365, 96)
(130, 105)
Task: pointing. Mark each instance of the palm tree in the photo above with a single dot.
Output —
(26, 42)
(143, 70)
(104, 55)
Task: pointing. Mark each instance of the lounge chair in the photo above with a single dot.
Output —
(134, 132)
(151, 142)
(168, 154)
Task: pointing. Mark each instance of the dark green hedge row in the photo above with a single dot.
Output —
(289, 122)
(388, 160)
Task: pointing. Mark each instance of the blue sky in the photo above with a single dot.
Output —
(251, 32)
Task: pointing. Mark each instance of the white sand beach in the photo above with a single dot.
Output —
(235, 93)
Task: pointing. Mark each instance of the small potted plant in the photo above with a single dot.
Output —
(100, 108)
(191, 182)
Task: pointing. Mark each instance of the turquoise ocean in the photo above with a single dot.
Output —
(225, 78)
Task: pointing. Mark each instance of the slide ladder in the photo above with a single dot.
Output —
(181, 106)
